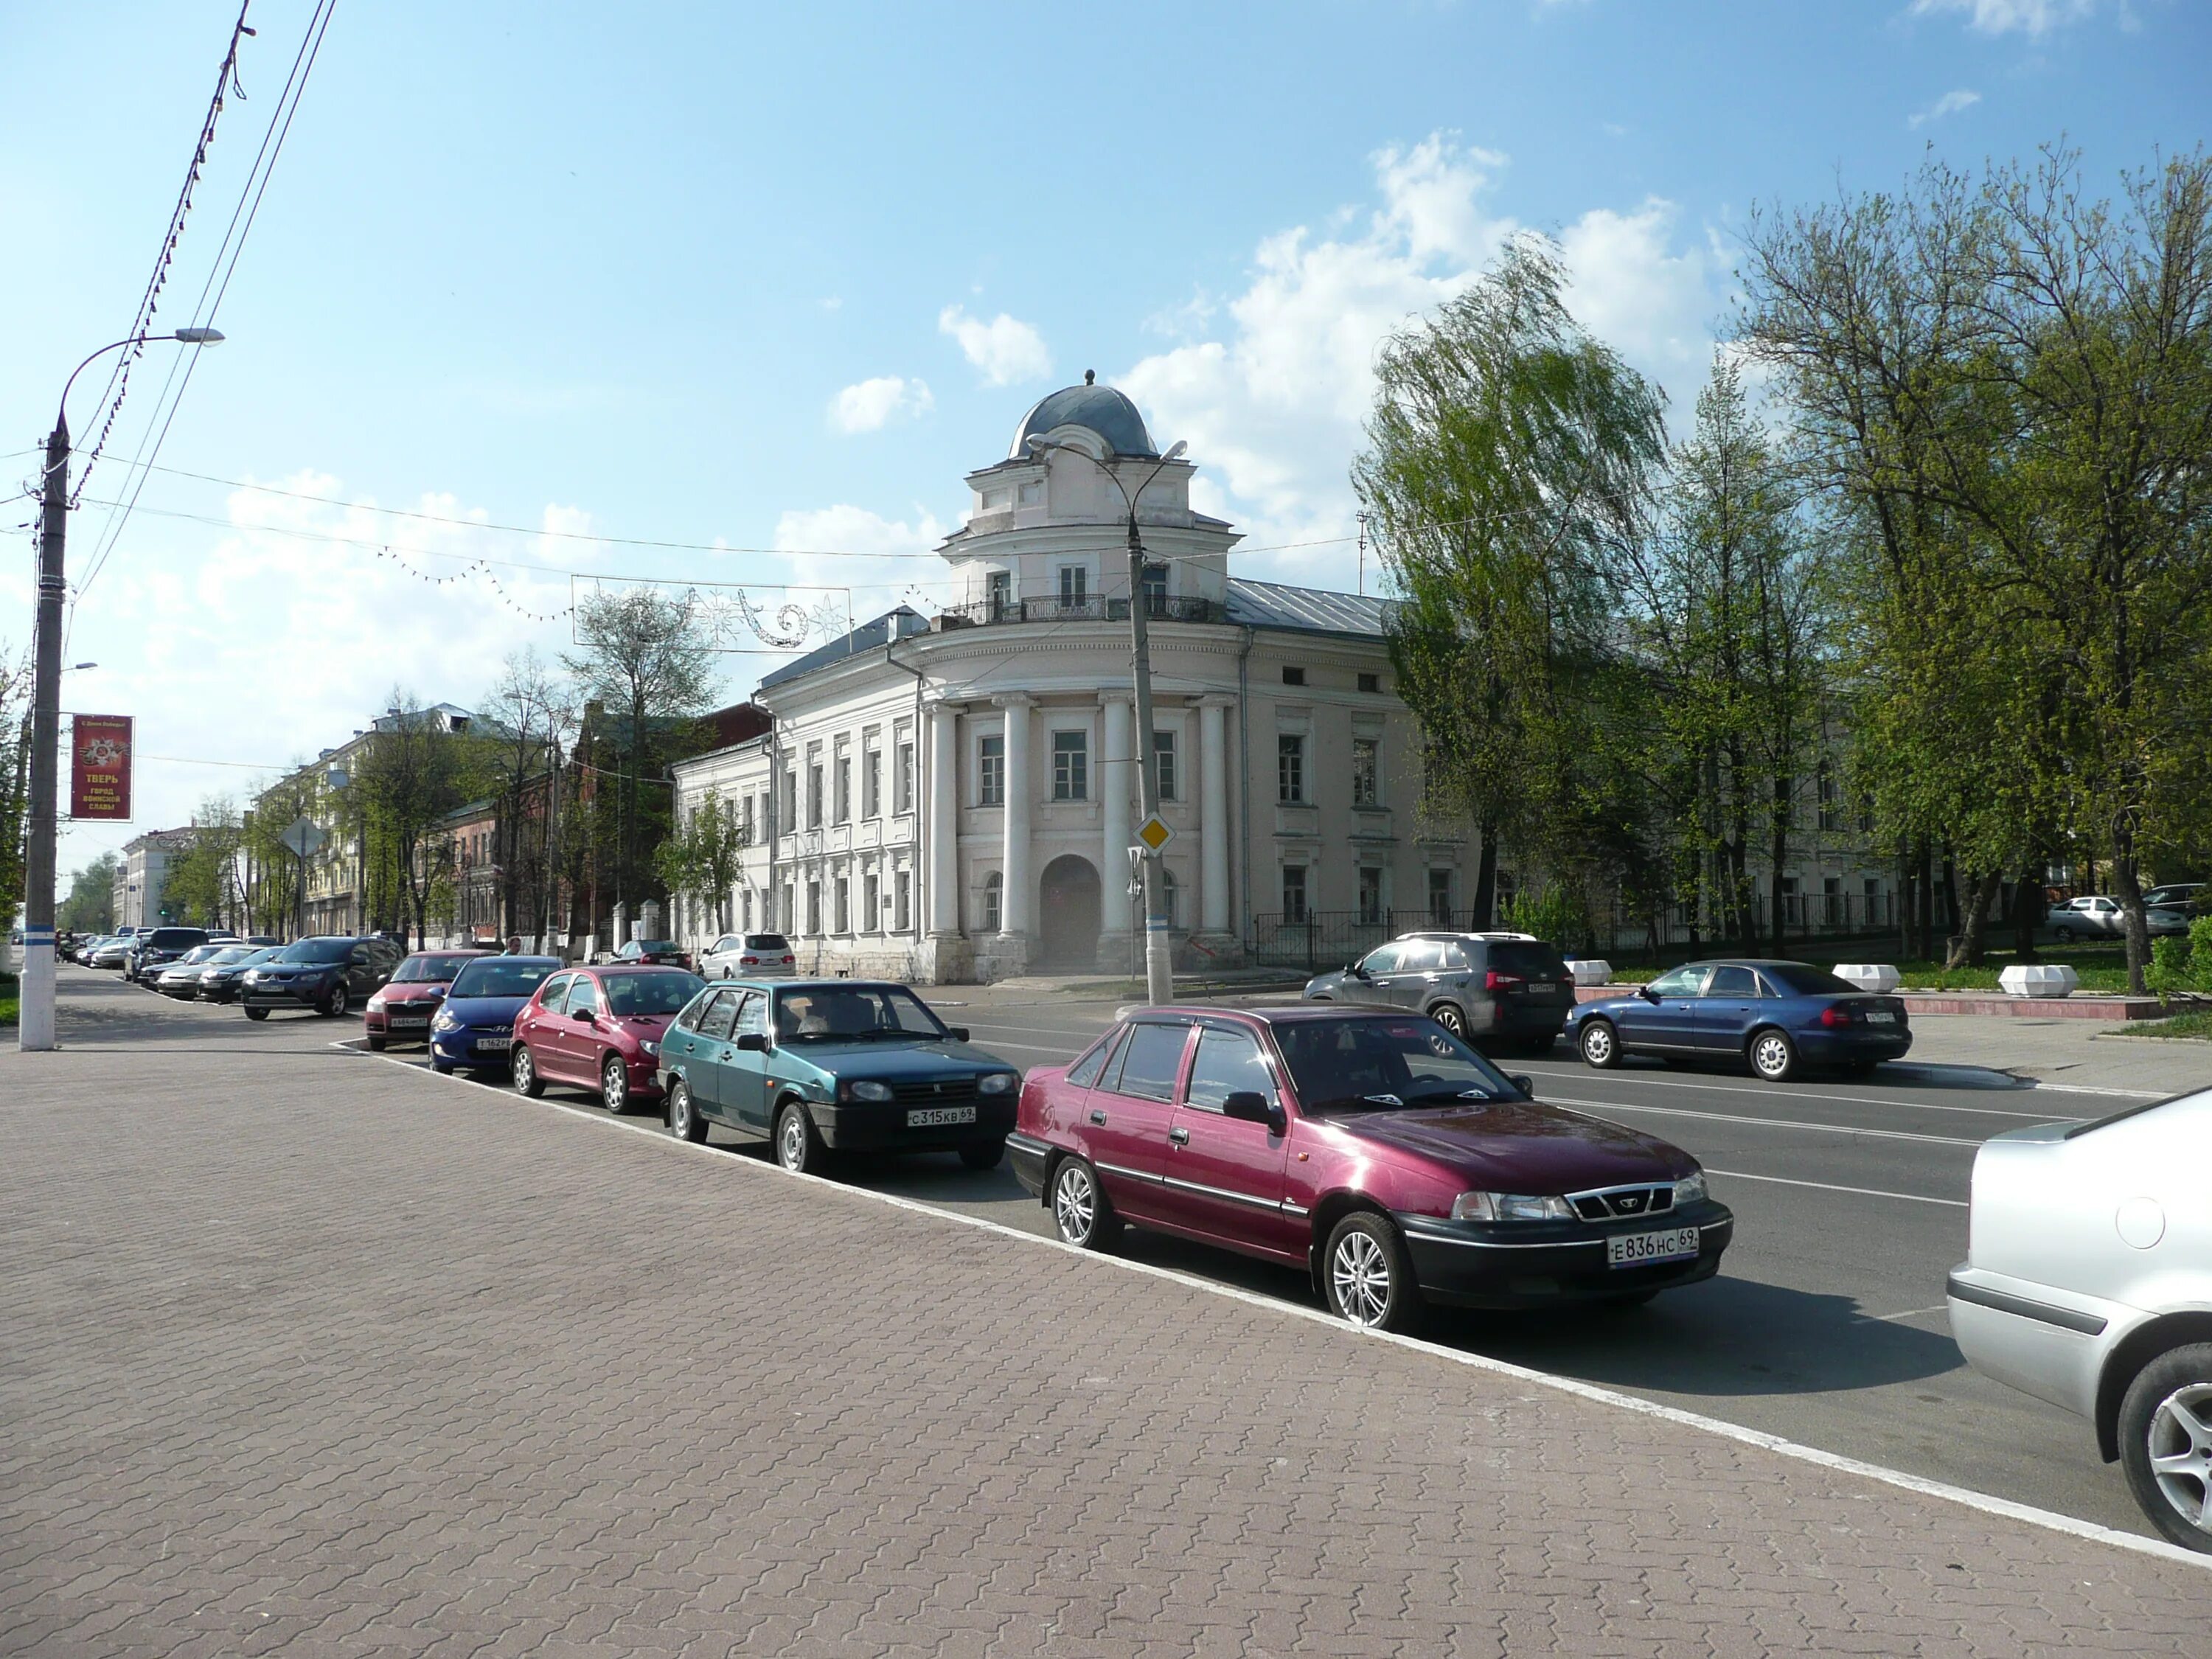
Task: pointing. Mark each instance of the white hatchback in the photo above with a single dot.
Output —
(749, 955)
(2088, 1284)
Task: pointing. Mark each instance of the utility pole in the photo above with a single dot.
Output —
(1159, 957)
(36, 1029)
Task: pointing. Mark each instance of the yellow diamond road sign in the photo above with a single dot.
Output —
(1155, 833)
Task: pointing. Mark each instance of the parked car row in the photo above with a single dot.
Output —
(2166, 911)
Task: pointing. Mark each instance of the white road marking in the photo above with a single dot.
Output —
(1984, 1503)
(1830, 1187)
(1719, 1086)
(1760, 1122)
(1909, 1313)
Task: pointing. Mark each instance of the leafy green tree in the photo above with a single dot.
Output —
(202, 883)
(89, 907)
(701, 860)
(1509, 465)
(14, 776)
(412, 771)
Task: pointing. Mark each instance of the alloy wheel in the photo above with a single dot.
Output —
(2180, 1448)
(1771, 1056)
(614, 1085)
(1598, 1046)
(1075, 1203)
(1451, 1018)
(1359, 1273)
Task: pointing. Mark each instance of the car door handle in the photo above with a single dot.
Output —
(729, 1054)
(1180, 1137)
(1098, 1118)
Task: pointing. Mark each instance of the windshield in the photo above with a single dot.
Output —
(630, 996)
(2126, 1113)
(241, 953)
(419, 971)
(502, 976)
(316, 949)
(1374, 1065)
(1803, 979)
(653, 947)
(854, 1013)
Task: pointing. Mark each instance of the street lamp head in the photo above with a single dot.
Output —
(198, 336)
(1175, 450)
(73, 667)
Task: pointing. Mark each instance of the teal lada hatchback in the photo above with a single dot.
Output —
(834, 1065)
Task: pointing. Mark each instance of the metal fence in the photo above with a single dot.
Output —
(1317, 940)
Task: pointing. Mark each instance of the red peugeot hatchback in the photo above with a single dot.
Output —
(600, 1028)
(1376, 1149)
(400, 1011)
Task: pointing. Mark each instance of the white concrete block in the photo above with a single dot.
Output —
(1876, 976)
(1590, 973)
(2039, 980)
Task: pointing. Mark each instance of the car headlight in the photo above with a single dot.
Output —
(444, 1021)
(999, 1082)
(649, 1047)
(867, 1090)
(1689, 1189)
(1511, 1206)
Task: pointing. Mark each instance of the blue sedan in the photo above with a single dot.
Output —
(474, 1029)
(1778, 1016)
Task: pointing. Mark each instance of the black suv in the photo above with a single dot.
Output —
(328, 974)
(156, 951)
(1500, 992)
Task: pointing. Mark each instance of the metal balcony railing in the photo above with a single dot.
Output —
(984, 613)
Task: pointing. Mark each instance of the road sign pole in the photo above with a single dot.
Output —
(1159, 958)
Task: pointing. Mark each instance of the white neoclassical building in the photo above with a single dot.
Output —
(949, 798)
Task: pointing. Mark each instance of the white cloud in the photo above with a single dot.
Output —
(870, 405)
(1273, 403)
(1949, 104)
(1006, 350)
(2032, 18)
(841, 547)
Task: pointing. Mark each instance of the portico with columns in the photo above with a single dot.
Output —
(954, 796)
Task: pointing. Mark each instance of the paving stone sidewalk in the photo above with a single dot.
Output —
(300, 1352)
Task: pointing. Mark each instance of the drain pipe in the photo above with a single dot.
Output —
(1244, 773)
(921, 849)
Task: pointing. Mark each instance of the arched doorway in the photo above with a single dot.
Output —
(1067, 935)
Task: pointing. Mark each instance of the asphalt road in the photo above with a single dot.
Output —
(1826, 1325)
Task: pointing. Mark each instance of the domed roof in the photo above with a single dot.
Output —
(1107, 412)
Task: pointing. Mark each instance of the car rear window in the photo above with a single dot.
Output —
(1802, 979)
(656, 946)
(171, 938)
(766, 942)
(1528, 959)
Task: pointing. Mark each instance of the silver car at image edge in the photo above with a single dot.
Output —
(2088, 1284)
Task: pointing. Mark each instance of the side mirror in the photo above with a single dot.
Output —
(1250, 1106)
(959, 1033)
(1527, 1086)
(1355, 970)
(752, 1043)
(1647, 993)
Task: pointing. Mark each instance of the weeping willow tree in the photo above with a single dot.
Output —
(1507, 477)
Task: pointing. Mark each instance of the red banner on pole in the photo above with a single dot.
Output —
(100, 766)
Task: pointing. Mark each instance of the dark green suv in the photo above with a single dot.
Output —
(837, 1064)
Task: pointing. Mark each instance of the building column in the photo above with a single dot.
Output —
(1016, 902)
(944, 819)
(1213, 815)
(1118, 783)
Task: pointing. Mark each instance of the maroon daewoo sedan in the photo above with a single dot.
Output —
(1374, 1149)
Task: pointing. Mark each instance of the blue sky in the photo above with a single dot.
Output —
(777, 277)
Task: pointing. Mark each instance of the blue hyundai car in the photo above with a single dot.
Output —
(1780, 1017)
(474, 1029)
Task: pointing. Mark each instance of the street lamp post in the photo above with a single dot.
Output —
(1159, 957)
(35, 1026)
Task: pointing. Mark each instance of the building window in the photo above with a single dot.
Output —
(843, 891)
(1291, 769)
(871, 783)
(1294, 894)
(1071, 766)
(872, 905)
(1170, 897)
(1366, 771)
(1163, 764)
(814, 907)
(1294, 677)
(1832, 813)
(902, 894)
(1440, 904)
(991, 772)
(1370, 896)
(1832, 900)
(1866, 818)
(1155, 580)
(902, 777)
(814, 795)
(1074, 586)
(1370, 682)
(993, 891)
(745, 819)
(844, 789)
(999, 592)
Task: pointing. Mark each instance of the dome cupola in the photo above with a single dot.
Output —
(1098, 409)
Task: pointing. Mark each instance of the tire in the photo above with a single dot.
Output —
(1773, 1055)
(2063, 935)
(256, 1014)
(1367, 1276)
(334, 1006)
(1447, 1015)
(442, 1067)
(378, 1045)
(614, 1085)
(983, 1154)
(683, 1119)
(1860, 1069)
(798, 1147)
(1082, 1214)
(1600, 1045)
(2165, 1416)
(526, 1078)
